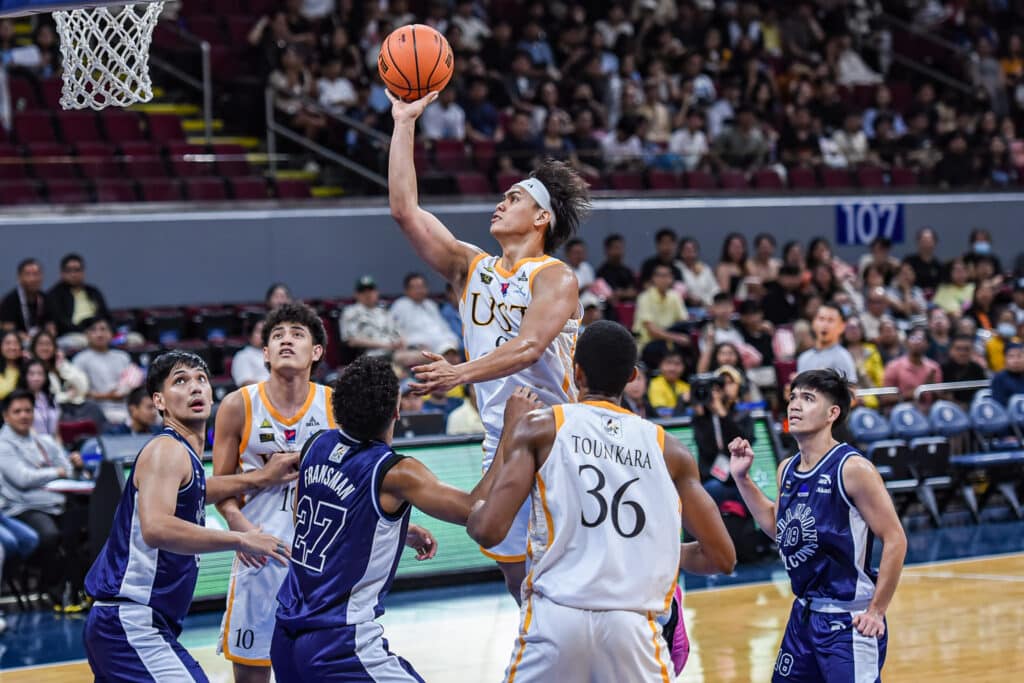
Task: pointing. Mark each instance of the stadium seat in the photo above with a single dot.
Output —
(51, 90)
(507, 180)
(79, 126)
(143, 160)
(251, 188)
(733, 180)
(205, 189)
(165, 325)
(473, 184)
(292, 189)
(420, 157)
(999, 457)
(699, 180)
(767, 179)
(665, 180)
(160, 190)
(12, 163)
(239, 27)
(68, 192)
(867, 426)
(164, 127)
(903, 177)
(72, 430)
(51, 161)
(122, 126)
(802, 178)
(231, 160)
(18, 192)
(188, 160)
(484, 152)
(948, 419)
(215, 323)
(1015, 409)
(206, 27)
(115, 190)
(870, 177)
(23, 94)
(906, 422)
(97, 160)
(35, 126)
(626, 181)
(450, 156)
(835, 178)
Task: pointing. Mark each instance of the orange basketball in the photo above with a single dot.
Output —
(415, 60)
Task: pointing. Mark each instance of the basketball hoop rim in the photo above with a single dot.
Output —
(22, 8)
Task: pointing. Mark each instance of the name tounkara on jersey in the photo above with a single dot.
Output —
(330, 477)
(620, 454)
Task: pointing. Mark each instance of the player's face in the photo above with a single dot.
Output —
(186, 396)
(809, 411)
(517, 214)
(291, 346)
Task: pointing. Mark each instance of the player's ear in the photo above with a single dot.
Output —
(158, 402)
(318, 352)
(578, 376)
(633, 375)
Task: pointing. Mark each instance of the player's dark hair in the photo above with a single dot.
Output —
(570, 201)
(137, 396)
(606, 352)
(25, 263)
(300, 313)
(831, 384)
(161, 367)
(19, 395)
(365, 397)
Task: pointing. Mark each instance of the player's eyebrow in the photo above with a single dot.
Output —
(512, 191)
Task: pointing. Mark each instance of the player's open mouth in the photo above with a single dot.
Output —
(197, 404)
(495, 218)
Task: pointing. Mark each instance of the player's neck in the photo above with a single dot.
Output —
(597, 397)
(814, 447)
(516, 249)
(193, 432)
(288, 391)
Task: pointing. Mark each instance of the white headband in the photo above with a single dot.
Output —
(540, 194)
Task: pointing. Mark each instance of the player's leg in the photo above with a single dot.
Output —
(848, 656)
(249, 621)
(250, 674)
(282, 654)
(344, 655)
(628, 646)
(510, 554)
(554, 644)
(795, 662)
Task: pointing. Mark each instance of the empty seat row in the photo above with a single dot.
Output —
(75, 191)
(73, 127)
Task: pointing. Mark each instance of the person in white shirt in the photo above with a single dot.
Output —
(419, 319)
(851, 142)
(474, 29)
(336, 92)
(465, 419)
(576, 257)
(623, 149)
(368, 327)
(446, 120)
(699, 278)
(248, 365)
(690, 143)
(111, 373)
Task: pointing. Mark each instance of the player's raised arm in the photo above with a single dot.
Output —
(433, 242)
(713, 551)
(556, 299)
(760, 506)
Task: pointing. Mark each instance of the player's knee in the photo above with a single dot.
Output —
(251, 674)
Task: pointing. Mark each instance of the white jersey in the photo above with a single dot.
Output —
(266, 431)
(492, 308)
(605, 521)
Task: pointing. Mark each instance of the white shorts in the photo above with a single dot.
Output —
(248, 625)
(513, 547)
(568, 645)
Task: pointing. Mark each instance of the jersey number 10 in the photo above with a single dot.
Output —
(615, 507)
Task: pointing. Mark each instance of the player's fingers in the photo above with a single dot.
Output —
(280, 559)
(394, 100)
(432, 356)
(420, 389)
(291, 476)
(426, 367)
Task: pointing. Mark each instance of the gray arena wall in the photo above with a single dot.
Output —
(153, 256)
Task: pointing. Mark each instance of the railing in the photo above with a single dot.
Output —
(878, 391)
(204, 84)
(951, 386)
(275, 129)
(955, 54)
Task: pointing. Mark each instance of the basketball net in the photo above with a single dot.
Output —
(106, 55)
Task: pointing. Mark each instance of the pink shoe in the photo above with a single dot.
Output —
(674, 632)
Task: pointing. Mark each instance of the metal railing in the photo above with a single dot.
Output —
(951, 386)
(204, 84)
(878, 391)
(274, 129)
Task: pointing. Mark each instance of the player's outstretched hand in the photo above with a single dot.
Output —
(438, 375)
(870, 624)
(409, 111)
(422, 541)
(280, 468)
(255, 542)
(742, 457)
(522, 401)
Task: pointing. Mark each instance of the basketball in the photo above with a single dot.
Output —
(415, 60)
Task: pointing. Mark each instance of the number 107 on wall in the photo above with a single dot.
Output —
(860, 223)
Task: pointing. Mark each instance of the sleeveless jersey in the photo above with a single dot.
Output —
(824, 542)
(605, 523)
(266, 431)
(492, 308)
(346, 549)
(127, 569)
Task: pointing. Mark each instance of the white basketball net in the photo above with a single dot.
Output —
(106, 55)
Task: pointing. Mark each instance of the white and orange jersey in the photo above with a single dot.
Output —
(266, 431)
(493, 304)
(605, 519)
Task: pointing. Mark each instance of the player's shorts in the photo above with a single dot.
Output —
(513, 547)
(250, 616)
(568, 645)
(128, 642)
(349, 654)
(819, 646)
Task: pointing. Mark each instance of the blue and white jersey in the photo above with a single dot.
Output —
(346, 549)
(824, 542)
(127, 569)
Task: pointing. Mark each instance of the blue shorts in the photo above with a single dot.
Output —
(130, 642)
(349, 654)
(820, 643)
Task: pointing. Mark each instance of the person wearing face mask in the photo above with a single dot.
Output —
(980, 244)
(1005, 334)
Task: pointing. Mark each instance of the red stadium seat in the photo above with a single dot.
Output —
(97, 160)
(238, 30)
(234, 162)
(665, 180)
(143, 160)
(68, 192)
(79, 126)
(292, 189)
(903, 177)
(252, 188)
(596, 182)
(205, 189)
(733, 180)
(767, 179)
(870, 177)
(12, 163)
(51, 161)
(23, 94)
(160, 190)
(116, 190)
(507, 180)
(836, 177)
(626, 181)
(123, 126)
(206, 27)
(420, 157)
(484, 152)
(473, 183)
(186, 160)
(165, 127)
(699, 180)
(51, 90)
(802, 178)
(17, 192)
(34, 126)
(450, 156)
(73, 430)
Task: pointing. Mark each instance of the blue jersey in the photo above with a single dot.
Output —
(824, 542)
(346, 549)
(127, 569)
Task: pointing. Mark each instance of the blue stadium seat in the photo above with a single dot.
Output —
(948, 419)
(999, 458)
(868, 426)
(907, 422)
(1016, 411)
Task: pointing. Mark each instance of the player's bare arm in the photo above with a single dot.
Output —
(433, 242)
(527, 447)
(162, 469)
(867, 491)
(761, 507)
(713, 551)
(556, 301)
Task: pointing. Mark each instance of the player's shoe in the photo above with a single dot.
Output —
(674, 631)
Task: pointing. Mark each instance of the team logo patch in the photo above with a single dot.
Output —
(266, 438)
(311, 422)
(266, 425)
(803, 491)
(613, 427)
(486, 279)
(338, 453)
(824, 484)
(290, 434)
(523, 278)
(504, 288)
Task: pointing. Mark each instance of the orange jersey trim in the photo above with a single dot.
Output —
(469, 273)
(504, 559)
(522, 640)
(657, 648)
(608, 406)
(517, 265)
(227, 633)
(287, 421)
(247, 427)
(543, 490)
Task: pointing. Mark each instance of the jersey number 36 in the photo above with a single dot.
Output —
(640, 517)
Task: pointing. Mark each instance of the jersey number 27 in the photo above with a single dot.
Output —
(315, 531)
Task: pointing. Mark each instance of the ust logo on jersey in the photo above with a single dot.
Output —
(613, 427)
(484, 313)
(338, 454)
(797, 535)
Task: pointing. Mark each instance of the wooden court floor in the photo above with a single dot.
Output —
(951, 621)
